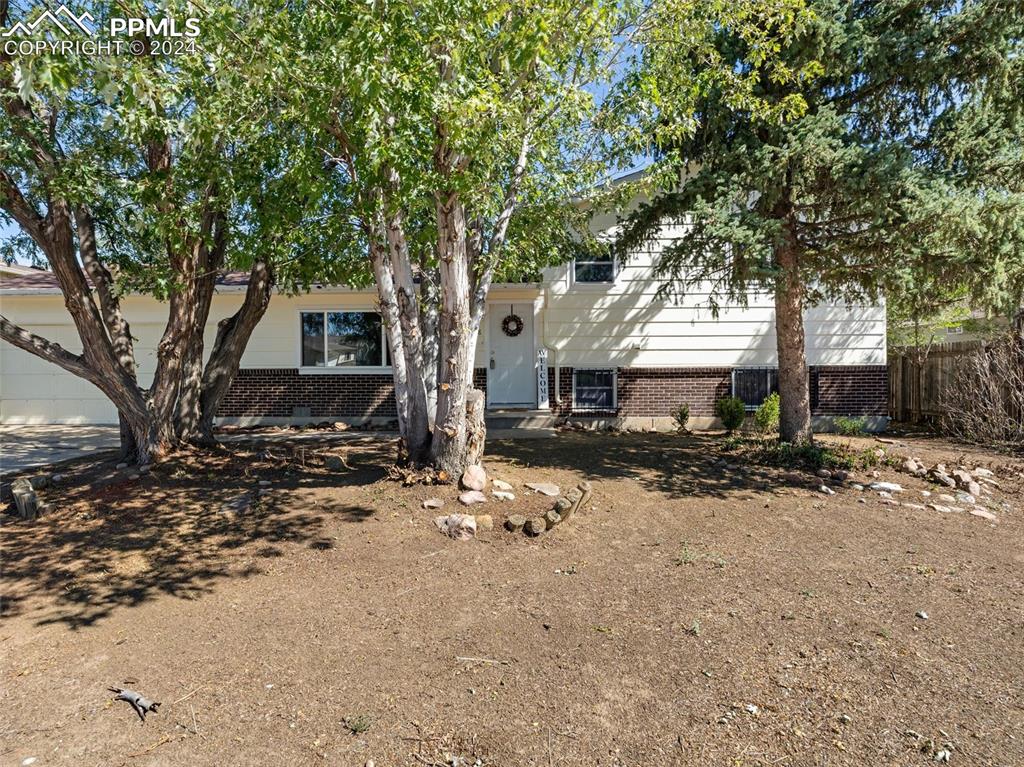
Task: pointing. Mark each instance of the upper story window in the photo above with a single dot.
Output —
(595, 267)
(343, 339)
(753, 385)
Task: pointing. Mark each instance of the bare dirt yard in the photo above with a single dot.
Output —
(706, 608)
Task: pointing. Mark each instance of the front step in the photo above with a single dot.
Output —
(519, 419)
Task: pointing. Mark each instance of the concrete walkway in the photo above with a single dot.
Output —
(25, 447)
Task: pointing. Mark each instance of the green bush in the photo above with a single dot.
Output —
(681, 415)
(814, 456)
(732, 412)
(766, 417)
(849, 427)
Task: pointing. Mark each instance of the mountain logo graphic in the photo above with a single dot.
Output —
(70, 21)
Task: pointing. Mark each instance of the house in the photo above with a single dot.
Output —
(591, 340)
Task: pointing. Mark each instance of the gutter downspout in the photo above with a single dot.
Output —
(553, 352)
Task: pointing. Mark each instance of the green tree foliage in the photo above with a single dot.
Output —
(892, 157)
(155, 173)
(460, 133)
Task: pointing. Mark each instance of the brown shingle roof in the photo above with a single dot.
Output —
(27, 279)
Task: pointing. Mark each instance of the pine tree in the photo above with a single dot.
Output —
(898, 160)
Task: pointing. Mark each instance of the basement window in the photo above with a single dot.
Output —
(593, 390)
(342, 340)
(753, 385)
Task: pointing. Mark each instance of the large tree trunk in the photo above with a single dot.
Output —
(388, 304)
(128, 446)
(417, 436)
(233, 335)
(794, 394)
(190, 407)
(190, 393)
(430, 352)
(154, 436)
(449, 446)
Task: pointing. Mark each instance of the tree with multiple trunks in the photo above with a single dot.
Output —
(893, 164)
(460, 133)
(153, 174)
(467, 139)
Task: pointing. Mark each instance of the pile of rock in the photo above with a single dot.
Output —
(563, 509)
(969, 486)
(474, 482)
(839, 475)
(957, 479)
(914, 467)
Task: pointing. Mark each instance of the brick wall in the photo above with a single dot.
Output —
(274, 392)
(850, 390)
(645, 392)
(657, 391)
(564, 388)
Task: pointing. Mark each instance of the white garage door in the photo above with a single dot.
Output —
(35, 391)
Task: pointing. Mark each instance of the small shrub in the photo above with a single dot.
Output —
(358, 724)
(681, 415)
(813, 456)
(766, 417)
(732, 443)
(687, 556)
(732, 412)
(849, 427)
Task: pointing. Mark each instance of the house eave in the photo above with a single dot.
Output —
(503, 287)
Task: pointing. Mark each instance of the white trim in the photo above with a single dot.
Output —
(586, 285)
(542, 400)
(341, 370)
(615, 386)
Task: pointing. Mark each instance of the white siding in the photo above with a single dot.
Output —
(621, 324)
(626, 324)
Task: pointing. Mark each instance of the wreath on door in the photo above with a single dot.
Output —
(512, 325)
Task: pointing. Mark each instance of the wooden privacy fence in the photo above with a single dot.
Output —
(919, 379)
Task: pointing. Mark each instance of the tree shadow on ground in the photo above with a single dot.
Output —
(677, 465)
(112, 542)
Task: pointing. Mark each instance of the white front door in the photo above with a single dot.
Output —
(511, 378)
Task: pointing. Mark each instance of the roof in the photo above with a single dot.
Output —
(28, 281)
(18, 269)
(24, 279)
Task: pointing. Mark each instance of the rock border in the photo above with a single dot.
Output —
(562, 510)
